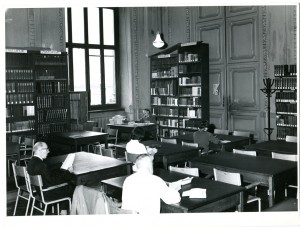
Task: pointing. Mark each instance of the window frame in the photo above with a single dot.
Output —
(86, 46)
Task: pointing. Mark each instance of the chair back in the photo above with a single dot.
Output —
(112, 132)
(29, 142)
(292, 139)
(166, 140)
(107, 152)
(221, 131)
(16, 139)
(241, 133)
(189, 144)
(97, 129)
(244, 152)
(131, 157)
(188, 171)
(19, 171)
(227, 177)
(288, 157)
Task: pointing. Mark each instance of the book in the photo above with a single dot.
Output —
(68, 161)
(195, 193)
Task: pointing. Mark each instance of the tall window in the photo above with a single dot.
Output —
(93, 54)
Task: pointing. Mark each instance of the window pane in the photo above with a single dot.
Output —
(79, 70)
(108, 27)
(93, 21)
(77, 25)
(66, 24)
(95, 76)
(110, 76)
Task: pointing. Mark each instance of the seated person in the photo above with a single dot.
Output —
(203, 137)
(50, 177)
(142, 191)
(135, 147)
(147, 117)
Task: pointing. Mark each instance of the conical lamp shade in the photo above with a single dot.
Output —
(158, 42)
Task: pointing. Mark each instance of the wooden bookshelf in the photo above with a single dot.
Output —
(179, 88)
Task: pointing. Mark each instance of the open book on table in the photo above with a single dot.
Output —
(68, 161)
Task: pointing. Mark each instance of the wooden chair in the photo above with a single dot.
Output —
(244, 152)
(166, 140)
(11, 155)
(107, 152)
(292, 139)
(23, 190)
(241, 133)
(221, 131)
(95, 146)
(188, 171)
(40, 197)
(27, 149)
(112, 137)
(235, 179)
(287, 157)
(16, 139)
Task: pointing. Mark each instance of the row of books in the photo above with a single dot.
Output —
(12, 99)
(45, 129)
(166, 111)
(52, 87)
(51, 115)
(286, 108)
(20, 126)
(285, 70)
(188, 57)
(169, 123)
(169, 72)
(188, 91)
(50, 60)
(163, 88)
(190, 101)
(286, 121)
(168, 132)
(286, 83)
(189, 69)
(190, 113)
(283, 132)
(164, 101)
(20, 87)
(51, 101)
(286, 97)
(19, 74)
(190, 80)
(163, 60)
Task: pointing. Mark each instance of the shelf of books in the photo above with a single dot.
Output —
(36, 92)
(179, 88)
(286, 100)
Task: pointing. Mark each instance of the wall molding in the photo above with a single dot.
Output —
(31, 28)
(188, 24)
(61, 29)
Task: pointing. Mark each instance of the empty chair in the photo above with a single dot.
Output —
(26, 150)
(107, 152)
(189, 144)
(96, 129)
(188, 171)
(241, 133)
(292, 139)
(112, 137)
(16, 139)
(235, 178)
(94, 146)
(244, 152)
(23, 190)
(287, 157)
(166, 140)
(221, 131)
(46, 199)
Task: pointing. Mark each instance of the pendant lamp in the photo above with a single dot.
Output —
(158, 42)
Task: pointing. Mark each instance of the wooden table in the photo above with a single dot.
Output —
(237, 142)
(171, 153)
(272, 173)
(129, 127)
(91, 168)
(77, 138)
(220, 196)
(267, 147)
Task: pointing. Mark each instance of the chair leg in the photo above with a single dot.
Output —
(58, 209)
(16, 204)
(27, 207)
(33, 202)
(259, 205)
(45, 210)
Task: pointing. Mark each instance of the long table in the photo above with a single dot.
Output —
(272, 173)
(74, 139)
(91, 168)
(171, 153)
(228, 142)
(267, 147)
(220, 196)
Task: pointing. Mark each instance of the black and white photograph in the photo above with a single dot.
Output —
(151, 113)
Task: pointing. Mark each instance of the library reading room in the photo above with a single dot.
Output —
(138, 111)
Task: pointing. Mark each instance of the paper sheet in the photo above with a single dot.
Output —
(68, 161)
(225, 141)
(195, 193)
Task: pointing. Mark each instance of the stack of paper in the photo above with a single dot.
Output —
(195, 193)
(177, 184)
(68, 161)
